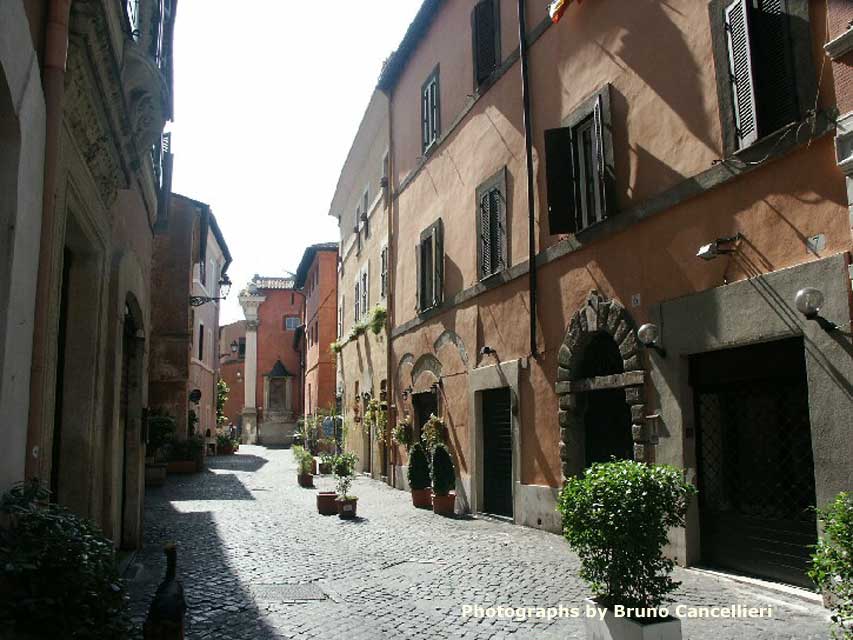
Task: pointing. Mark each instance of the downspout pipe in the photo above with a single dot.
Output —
(528, 144)
(53, 84)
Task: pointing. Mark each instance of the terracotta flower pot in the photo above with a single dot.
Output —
(443, 505)
(346, 508)
(326, 503)
(422, 498)
(306, 480)
(182, 466)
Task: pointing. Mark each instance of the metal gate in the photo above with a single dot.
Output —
(497, 452)
(756, 469)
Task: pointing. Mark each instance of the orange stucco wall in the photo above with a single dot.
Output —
(275, 342)
(666, 129)
(321, 318)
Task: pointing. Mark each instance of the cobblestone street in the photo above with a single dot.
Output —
(257, 561)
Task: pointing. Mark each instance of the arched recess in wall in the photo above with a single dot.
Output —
(449, 337)
(426, 372)
(599, 366)
(404, 370)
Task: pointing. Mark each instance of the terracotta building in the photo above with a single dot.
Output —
(191, 259)
(272, 393)
(232, 367)
(85, 91)
(668, 191)
(317, 277)
(360, 205)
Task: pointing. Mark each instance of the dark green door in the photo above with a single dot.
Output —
(497, 456)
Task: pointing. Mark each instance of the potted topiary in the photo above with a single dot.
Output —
(832, 563)
(616, 517)
(443, 481)
(161, 431)
(305, 468)
(344, 469)
(419, 479)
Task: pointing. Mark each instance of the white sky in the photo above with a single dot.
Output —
(268, 98)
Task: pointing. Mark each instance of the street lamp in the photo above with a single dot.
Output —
(234, 347)
(224, 288)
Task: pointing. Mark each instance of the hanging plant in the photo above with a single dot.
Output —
(434, 432)
(336, 347)
(377, 319)
(402, 434)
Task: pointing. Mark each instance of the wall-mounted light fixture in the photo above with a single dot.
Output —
(809, 302)
(719, 247)
(648, 335)
(224, 288)
(407, 392)
(365, 395)
(485, 351)
(234, 347)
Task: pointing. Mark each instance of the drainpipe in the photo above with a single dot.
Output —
(389, 318)
(53, 84)
(528, 143)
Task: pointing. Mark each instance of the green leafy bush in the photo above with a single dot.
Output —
(616, 517)
(443, 478)
(190, 449)
(377, 319)
(418, 467)
(305, 462)
(343, 466)
(434, 432)
(402, 434)
(832, 562)
(161, 432)
(58, 577)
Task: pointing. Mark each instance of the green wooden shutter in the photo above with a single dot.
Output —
(739, 41)
(772, 54)
(559, 176)
(418, 249)
(485, 240)
(485, 19)
(438, 262)
(495, 229)
(600, 165)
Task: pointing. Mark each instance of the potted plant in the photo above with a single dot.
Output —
(402, 434)
(224, 445)
(186, 456)
(161, 431)
(832, 563)
(305, 468)
(326, 460)
(344, 470)
(616, 517)
(443, 481)
(419, 480)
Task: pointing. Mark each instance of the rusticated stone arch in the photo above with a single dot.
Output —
(599, 316)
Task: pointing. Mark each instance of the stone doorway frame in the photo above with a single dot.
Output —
(599, 315)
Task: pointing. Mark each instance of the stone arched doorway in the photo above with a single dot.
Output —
(600, 383)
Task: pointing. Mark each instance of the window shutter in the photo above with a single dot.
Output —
(418, 278)
(438, 262)
(496, 227)
(485, 44)
(485, 236)
(739, 41)
(776, 89)
(425, 116)
(559, 176)
(601, 166)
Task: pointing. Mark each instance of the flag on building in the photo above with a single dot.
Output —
(556, 9)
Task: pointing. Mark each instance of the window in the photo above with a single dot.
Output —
(486, 35)
(491, 225)
(383, 272)
(365, 288)
(430, 266)
(291, 323)
(579, 166)
(200, 353)
(430, 111)
(357, 310)
(765, 78)
(365, 213)
(241, 348)
(340, 328)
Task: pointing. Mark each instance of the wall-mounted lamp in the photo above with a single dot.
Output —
(648, 335)
(224, 288)
(809, 302)
(435, 386)
(719, 247)
(407, 392)
(365, 395)
(485, 351)
(234, 346)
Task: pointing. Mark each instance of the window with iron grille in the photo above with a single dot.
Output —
(762, 55)
(491, 225)
(430, 111)
(383, 272)
(486, 36)
(579, 166)
(430, 267)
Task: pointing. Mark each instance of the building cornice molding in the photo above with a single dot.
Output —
(841, 45)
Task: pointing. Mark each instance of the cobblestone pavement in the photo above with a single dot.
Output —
(258, 562)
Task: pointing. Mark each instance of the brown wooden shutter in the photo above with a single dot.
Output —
(600, 165)
(739, 41)
(485, 236)
(772, 55)
(559, 176)
(418, 249)
(485, 19)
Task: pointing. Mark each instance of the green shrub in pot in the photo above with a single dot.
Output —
(443, 477)
(418, 472)
(832, 563)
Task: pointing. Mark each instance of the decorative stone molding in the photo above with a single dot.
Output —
(597, 316)
(147, 94)
(840, 45)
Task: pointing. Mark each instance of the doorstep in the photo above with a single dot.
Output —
(776, 587)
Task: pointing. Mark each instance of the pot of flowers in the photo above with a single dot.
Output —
(304, 466)
(616, 517)
(443, 481)
(419, 480)
(344, 469)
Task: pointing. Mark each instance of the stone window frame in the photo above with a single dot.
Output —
(496, 182)
(804, 71)
(429, 139)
